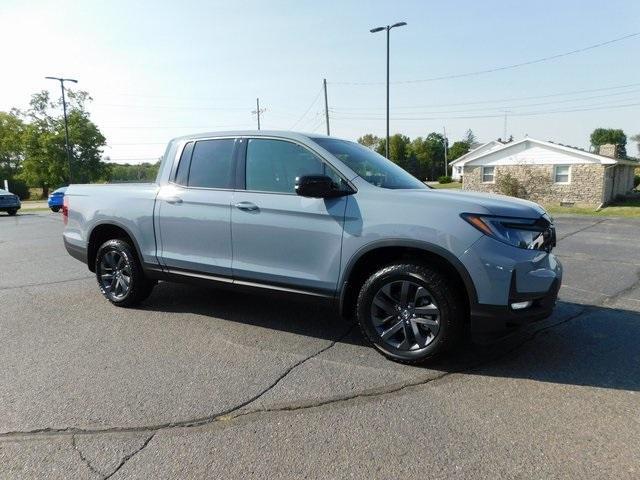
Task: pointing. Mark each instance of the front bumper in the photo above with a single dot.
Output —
(492, 319)
(504, 275)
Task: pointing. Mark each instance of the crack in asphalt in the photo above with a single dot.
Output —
(129, 456)
(237, 411)
(611, 299)
(179, 424)
(83, 458)
(391, 389)
(583, 229)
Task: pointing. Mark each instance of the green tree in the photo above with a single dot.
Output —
(420, 152)
(435, 144)
(11, 144)
(369, 140)
(458, 149)
(398, 149)
(125, 172)
(45, 160)
(470, 139)
(616, 136)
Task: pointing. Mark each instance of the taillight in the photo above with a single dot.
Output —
(65, 209)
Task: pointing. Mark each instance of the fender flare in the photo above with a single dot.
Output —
(409, 243)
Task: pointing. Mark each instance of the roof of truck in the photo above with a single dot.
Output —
(252, 133)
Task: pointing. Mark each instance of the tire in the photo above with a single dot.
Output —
(12, 212)
(410, 312)
(55, 209)
(119, 274)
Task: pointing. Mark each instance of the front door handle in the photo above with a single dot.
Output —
(173, 200)
(247, 206)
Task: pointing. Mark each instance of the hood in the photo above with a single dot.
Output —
(475, 202)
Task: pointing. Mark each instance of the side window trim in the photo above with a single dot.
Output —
(174, 176)
(241, 163)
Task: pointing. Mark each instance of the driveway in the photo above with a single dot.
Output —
(204, 383)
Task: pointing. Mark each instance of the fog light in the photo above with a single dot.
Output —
(521, 305)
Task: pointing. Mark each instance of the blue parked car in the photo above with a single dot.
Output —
(56, 198)
(9, 202)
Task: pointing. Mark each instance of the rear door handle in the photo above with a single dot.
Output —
(247, 206)
(174, 200)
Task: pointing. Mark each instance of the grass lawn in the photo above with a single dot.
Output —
(627, 208)
(446, 185)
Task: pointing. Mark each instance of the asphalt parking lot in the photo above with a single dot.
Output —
(204, 383)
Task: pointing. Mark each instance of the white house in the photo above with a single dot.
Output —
(458, 164)
(548, 173)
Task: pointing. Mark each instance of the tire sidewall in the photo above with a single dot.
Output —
(433, 282)
(136, 274)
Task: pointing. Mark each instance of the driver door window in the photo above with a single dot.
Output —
(274, 165)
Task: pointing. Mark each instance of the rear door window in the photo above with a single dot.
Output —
(212, 164)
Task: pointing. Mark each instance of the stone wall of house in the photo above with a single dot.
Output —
(537, 183)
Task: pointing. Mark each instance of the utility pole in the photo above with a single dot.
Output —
(258, 111)
(388, 29)
(64, 110)
(326, 104)
(446, 162)
(504, 136)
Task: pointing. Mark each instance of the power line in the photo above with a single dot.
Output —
(315, 99)
(498, 115)
(496, 100)
(183, 107)
(498, 69)
(526, 105)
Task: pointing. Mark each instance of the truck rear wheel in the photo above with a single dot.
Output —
(410, 312)
(119, 274)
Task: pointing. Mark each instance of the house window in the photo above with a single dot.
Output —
(487, 174)
(459, 169)
(562, 174)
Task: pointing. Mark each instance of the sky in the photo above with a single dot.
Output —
(160, 69)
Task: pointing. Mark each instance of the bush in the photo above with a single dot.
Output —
(509, 185)
(636, 181)
(445, 179)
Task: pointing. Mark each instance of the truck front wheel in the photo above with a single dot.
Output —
(410, 312)
(119, 274)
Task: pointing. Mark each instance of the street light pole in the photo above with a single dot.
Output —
(66, 126)
(388, 30)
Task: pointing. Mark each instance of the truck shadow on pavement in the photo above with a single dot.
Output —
(578, 345)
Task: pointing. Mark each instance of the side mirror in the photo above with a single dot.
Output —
(319, 186)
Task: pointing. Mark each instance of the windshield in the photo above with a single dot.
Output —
(374, 168)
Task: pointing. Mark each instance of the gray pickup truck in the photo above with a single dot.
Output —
(324, 218)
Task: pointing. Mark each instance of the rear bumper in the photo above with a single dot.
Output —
(76, 251)
(5, 207)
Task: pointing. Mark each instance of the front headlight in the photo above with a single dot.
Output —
(532, 234)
